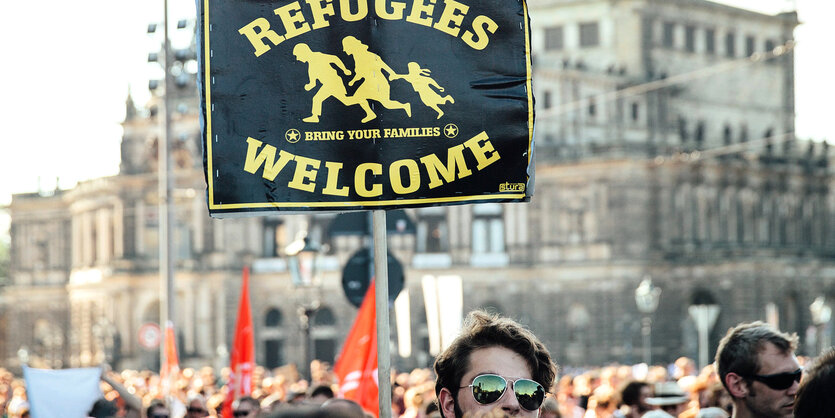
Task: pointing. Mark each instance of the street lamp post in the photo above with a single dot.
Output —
(165, 170)
(704, 316)
(164, 186)
(302, 257)
(302, 262)
(306, 313)
(821, 314)
(647, 297)
(23, 356)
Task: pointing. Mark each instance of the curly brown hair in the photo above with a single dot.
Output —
(484, 330)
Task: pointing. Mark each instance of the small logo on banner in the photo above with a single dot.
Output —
(512, 187)
(292, 135)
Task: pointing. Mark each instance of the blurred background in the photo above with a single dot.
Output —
(682, 186)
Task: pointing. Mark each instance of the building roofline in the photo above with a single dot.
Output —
(789, 17)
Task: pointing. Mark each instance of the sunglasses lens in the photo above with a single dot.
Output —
(488, 388)
(529, 394)
(783, 380)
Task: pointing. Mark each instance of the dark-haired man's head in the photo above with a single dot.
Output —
(634, 394)
(246, 407)
(814, 397)
(342, 408)
(757, 365)
(157, 409)
(320, 393)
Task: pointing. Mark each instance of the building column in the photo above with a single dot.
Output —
(220, 318)
(197, 225)
(188, 319)
(75, 251)
(103, 234)
(139, 224)
(118, 220)
(86, 241)
(202, 320)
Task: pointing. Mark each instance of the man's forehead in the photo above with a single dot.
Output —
(498, 360)
(772, 359)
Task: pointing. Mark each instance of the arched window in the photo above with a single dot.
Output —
(272, 337)
(274, 237)
(324, 334)
(727, 135)
(700, 133)
(702, 296)
(324, 316)
(488, 229)
(273, 318)
(151, 313)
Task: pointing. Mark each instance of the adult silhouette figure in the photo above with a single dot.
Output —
(369, 67)
(321, 68)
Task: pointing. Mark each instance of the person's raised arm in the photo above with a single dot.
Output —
(131, 400)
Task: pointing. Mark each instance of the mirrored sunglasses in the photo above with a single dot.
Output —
(489, 388)
(779, 381)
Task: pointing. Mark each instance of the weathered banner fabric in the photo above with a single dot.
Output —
(365, 104)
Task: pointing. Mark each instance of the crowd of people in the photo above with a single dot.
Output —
(497, 368)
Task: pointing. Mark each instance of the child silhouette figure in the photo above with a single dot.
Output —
(422, 84)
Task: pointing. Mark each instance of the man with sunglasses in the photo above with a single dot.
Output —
(494, 364)
(196, 407)
(157, 409)
(757, 365)
(246, 407)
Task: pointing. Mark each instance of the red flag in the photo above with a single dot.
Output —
(356, 368)
(242, 357)
(171, 366)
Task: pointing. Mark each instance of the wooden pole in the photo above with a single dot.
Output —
(382, 303)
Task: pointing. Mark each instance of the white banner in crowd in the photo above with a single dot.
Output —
(451, 303)
(68, 393)
(403, 320)
(443, 297)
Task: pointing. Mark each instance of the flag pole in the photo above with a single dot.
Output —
(166, 262)
(381, 297)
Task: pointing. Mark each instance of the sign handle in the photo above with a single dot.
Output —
(381, 298)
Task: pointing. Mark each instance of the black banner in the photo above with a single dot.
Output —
(365, 104)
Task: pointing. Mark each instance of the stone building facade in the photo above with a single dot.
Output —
(663, 149)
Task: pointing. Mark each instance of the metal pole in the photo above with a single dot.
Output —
(704, 324)
(382, 305)
(819, 339)
(308, 343)
(166, 305)
(646, 330)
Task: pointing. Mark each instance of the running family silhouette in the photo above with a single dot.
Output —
(368, 71)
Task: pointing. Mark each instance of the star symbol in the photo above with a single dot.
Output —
(292, 136)
(450, 130)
